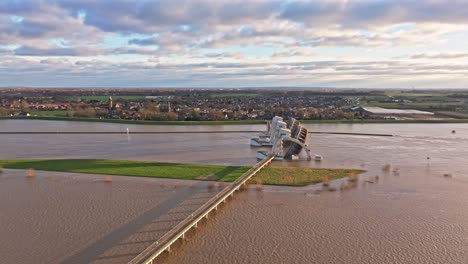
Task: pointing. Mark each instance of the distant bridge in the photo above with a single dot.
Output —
(179, 231)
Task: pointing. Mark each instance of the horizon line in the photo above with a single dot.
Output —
(232, 88)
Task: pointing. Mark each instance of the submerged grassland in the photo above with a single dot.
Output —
(270, 175)
(301, 176)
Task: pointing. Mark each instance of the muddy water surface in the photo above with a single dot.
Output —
(415, 212)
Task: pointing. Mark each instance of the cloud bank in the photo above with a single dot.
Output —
(209, 43)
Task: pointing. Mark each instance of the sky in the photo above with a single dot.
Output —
(233, 43)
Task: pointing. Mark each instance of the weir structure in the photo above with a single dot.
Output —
(179, 231)
(287, 139)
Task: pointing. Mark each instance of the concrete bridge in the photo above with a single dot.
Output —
(179, 231)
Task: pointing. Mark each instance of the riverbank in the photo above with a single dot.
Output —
(236, 122)
(168, 132)
(268, 176)
(137, 122)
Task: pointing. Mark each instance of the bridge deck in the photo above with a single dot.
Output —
(165, 242)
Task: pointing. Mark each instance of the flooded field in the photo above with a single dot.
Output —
(77, 218)
(414, 211)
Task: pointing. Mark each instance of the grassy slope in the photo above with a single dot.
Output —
(272, 176)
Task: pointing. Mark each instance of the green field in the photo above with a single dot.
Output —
(301, 176)
(454, 101)
(221, 95)
(131, 168)
(271, 176)
(105, 98)
(415, 94)
(52, 113)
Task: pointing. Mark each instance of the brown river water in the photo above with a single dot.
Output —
(409, 214)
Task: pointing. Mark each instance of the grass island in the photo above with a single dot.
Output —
(222, 173)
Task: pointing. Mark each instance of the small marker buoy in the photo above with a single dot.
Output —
(108, 180)
(30, 173)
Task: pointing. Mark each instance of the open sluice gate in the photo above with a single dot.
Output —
(287, 139)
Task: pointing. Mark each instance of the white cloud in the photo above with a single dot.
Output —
(241, 41)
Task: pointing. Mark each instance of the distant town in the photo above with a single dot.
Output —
(233, 104)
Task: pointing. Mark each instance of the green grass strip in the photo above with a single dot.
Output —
(301, 176)
(130, 168)
(269, 175)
